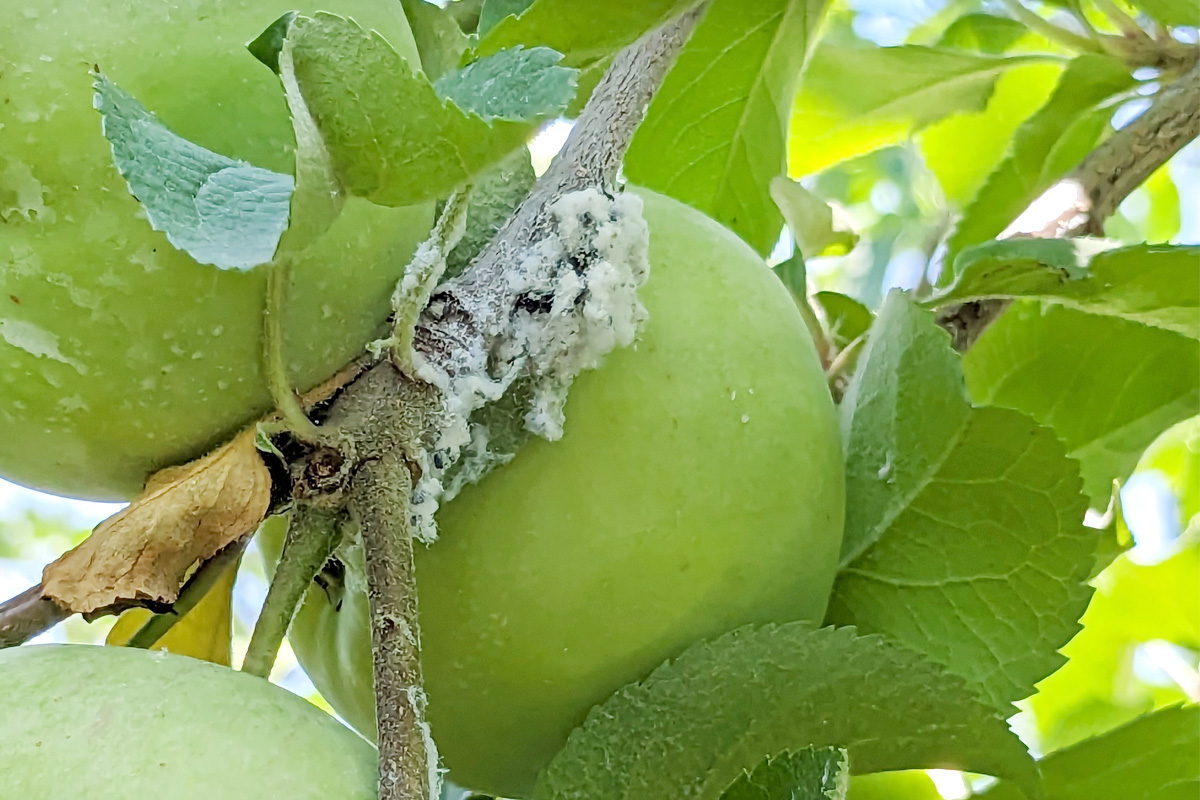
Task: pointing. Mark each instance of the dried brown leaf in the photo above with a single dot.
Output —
(185, 515)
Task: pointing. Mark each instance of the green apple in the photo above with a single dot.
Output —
(118, 354)
(110, 723)
(698, 487)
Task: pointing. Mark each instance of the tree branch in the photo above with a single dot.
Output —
(1105, 178)
(591, 157)
(392, 416)
(966, 322)
(391, 421)
(1126, 159)
(27, 615)
(379, 501)
(1054, 33)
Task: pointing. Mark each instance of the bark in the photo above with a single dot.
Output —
(1106, 177)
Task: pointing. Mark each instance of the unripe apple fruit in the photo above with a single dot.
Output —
(111, 723)
(120, 355)
(698, 487)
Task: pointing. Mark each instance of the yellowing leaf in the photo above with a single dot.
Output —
(184, 516)
(202, 633)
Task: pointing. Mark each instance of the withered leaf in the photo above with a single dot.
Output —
(183, 517)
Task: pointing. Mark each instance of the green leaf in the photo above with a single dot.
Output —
(1171, 12)
(693, 726)
(1098, 689)
(464, 12)
(984, 33)
(589, 78)
(268, 45)
(1114, 540)
(583, 32)
(393, 139)
(794, 275)
(809, 774)
(1163, 220)
(844, 109)
(318, 197)
(496, 194)
(811, 220)
(514, 85)
(440, 42)
(1045, 148)
(1106, 386)
(493, 11)
(846, 318)
(907, 785)
(963, 149)
(219, 211)
(716, 133)
(956, 516)
(1151, 758)
(1153, 285)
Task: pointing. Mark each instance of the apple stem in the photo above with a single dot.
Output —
(313, 533)
(279, 275)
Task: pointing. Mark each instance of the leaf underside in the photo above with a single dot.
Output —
(218, 210)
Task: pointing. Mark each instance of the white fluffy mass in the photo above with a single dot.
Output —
(584, 284)
(572, 300)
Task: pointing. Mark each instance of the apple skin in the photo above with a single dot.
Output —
(111, 723)
(120, 355)
(698, 487)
